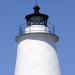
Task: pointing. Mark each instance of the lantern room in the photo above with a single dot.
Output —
(36, 18)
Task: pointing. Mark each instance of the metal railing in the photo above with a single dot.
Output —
(51, 29)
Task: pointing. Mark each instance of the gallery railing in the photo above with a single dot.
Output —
(50, 30)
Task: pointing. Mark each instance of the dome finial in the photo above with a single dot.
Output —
(36, 8)
(36, 2)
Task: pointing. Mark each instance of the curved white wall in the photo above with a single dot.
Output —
(36, 57)
(36, 28)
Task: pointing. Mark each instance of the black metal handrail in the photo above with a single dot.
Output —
(51, 28)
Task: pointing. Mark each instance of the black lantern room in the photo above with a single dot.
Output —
(36, 18)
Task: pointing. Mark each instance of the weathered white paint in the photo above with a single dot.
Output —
(36, 55)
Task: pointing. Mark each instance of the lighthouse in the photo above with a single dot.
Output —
(36, 51)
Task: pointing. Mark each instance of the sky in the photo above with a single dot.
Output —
(61, 14)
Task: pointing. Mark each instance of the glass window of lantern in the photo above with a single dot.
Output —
(35, 20)
(28, 23)
(43, 20)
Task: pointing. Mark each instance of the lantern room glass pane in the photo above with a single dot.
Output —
(37, 20)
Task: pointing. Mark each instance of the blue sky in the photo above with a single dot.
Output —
(62, 15)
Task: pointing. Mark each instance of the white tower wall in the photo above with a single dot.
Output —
(36, 55)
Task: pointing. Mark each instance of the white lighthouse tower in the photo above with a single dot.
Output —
(36, 52)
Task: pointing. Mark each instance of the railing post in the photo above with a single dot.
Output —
(53, 29)
(20, 31)
(45, 28)
(29, 29)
